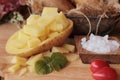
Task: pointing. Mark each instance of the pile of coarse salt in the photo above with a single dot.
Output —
(99, 44)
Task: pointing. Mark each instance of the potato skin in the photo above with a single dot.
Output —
(48, 43)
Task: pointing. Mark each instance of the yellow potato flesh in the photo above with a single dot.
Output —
(37, 31)
(21, 42)
(47, 10)
(60, 23)
(14, 68)
(18, 60)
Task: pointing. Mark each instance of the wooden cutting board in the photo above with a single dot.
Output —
(74, 71)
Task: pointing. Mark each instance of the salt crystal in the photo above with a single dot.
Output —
(99, 44)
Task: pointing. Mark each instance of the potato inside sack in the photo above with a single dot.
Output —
(97, 7)
(40, 33)
(95, 16)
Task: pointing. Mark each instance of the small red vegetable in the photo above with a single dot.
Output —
(105, 73)
(97, 65)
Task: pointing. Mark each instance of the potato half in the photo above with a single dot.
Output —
(45, 45)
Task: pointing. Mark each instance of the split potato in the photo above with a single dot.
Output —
(18, 60)
(60, 49)
(40, 34)
(14, 68)
(69, 47)
(33, 59)
(23, 71)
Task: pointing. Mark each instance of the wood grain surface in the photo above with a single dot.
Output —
(74, 71)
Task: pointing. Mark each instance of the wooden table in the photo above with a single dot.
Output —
(74, 71)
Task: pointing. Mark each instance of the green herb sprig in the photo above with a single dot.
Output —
(56, 62)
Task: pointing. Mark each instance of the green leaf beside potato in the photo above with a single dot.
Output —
(57, 61)
(42, 66)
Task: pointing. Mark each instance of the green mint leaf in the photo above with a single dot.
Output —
(41, 67)
(58, 61)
